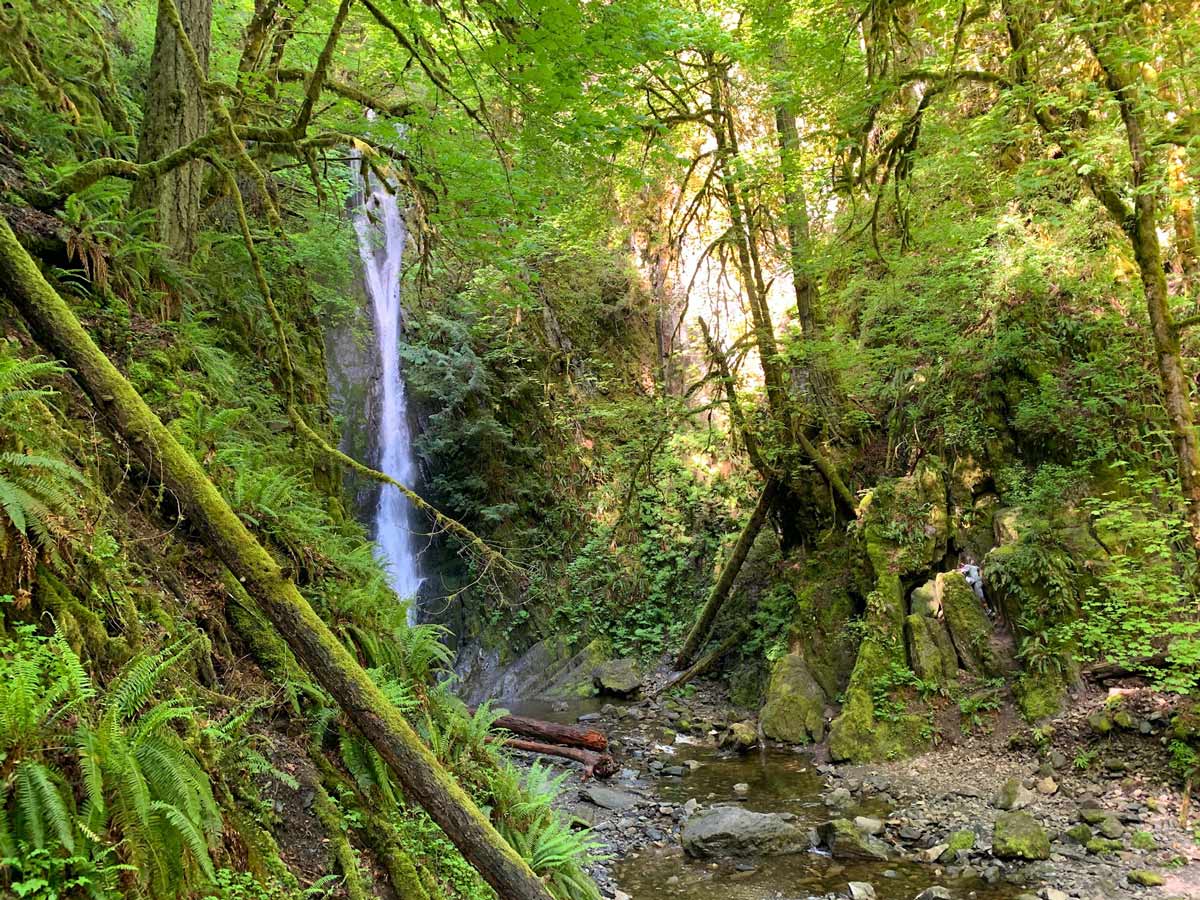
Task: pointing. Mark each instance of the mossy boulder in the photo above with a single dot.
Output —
(1146, 878)
(968, 624)
(905, 522)
(618, 678)
(1017, 835)
(846, 841)
(575, 678)
(795, 707)
(930, 650)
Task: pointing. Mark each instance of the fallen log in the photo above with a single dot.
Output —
(598, 765)
(554, 732)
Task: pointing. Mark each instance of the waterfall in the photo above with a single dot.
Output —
(379, 223)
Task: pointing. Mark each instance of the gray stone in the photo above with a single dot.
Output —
(860, 890)
(607, 798)
(937, 892)
(734, 831)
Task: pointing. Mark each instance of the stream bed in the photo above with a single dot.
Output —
(647, 860)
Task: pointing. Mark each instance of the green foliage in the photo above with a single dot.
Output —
(145, 797)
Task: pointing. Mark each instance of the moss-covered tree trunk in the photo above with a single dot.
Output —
(56, 328)
(720, 591)
(174, 116)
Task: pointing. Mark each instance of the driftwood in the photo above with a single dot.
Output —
(554, 732)
(598, 765)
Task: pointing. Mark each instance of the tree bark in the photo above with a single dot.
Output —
(554, 732)
(174, 116)
(720, 591)
(56, 328)
(595, 765)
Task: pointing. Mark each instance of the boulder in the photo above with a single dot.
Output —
(845, 841)
(1017, 835)
(734, 831)
(968, 623)
(740, 736)
(795, 707)
(930, 649)
(607, 798)
(618, 678)
(1013, 795)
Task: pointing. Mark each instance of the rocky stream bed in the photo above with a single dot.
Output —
(703, 808)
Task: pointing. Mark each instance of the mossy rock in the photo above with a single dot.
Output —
(618, 678)
(574, 679)
(795, 707)
(1017, 835)
(1039, 696)
(1143, 840)
(964, 839)
(857, 736)
(1104, 846)
(968, 624)
(1146, 878)
(906, 525)
(1079, 834)
(930, 650)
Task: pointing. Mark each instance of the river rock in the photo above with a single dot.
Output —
(867, 825)
(844, 841)
(860, 890)
(1013, 795)
(740, 736)
(734, 831)
(618, 678)
(1016, 835)
(937, 892)
(607, 798)
(795, 707)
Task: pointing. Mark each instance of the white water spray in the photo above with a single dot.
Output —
(379, 223)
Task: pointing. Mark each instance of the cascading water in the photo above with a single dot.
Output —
(379, 223)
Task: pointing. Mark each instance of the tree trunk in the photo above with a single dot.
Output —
(720, 591)
(706, 662)
(56, 328)
(595, 765)
(175, 116)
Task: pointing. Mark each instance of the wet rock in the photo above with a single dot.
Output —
(1016, 835)
(1013, 796)
(795, 707)
(741, 788)
(734, 831)
(860, 890)
(844, 841)
(608, 798)
(740, 736)
(936, 892)
(618, 678)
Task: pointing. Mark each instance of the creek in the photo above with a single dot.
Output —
(771, 780)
